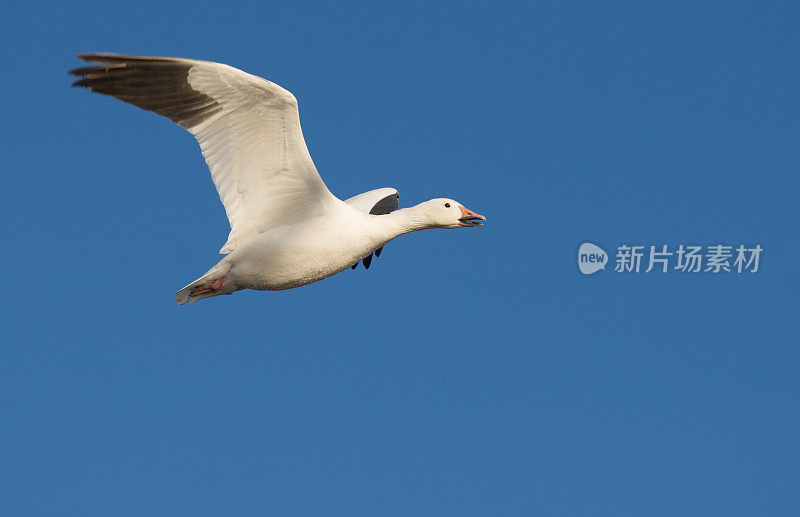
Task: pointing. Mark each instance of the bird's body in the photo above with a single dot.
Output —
(287, 229)
(304, 252)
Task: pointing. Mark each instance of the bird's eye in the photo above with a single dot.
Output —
(447, 205)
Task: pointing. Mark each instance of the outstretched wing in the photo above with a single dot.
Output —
(376, 202)
(248, 129)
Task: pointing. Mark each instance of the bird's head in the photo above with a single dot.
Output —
(446, 213)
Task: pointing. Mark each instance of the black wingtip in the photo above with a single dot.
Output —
(96, 57)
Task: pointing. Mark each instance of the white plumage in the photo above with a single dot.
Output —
(287, 229)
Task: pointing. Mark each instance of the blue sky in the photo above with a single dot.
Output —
(467, 372)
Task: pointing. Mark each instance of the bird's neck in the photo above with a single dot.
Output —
(402, 221)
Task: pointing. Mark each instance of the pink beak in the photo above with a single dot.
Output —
(470, 218)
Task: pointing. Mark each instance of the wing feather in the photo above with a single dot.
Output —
(248, 130)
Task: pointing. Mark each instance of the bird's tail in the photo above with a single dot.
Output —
(213, 283)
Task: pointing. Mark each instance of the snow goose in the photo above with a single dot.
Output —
(287, 229)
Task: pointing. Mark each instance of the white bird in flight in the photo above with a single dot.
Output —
(287, 229)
